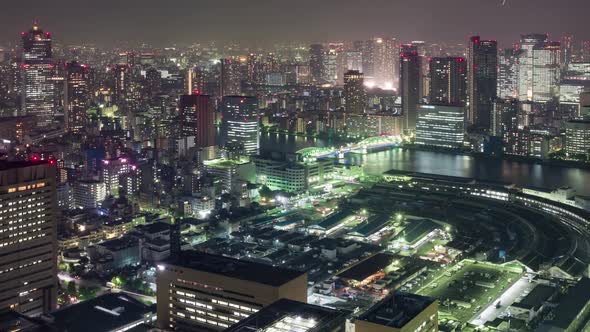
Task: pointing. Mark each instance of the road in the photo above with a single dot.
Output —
(102, 288)
(506, 299)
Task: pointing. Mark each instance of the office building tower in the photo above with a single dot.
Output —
(584, 52)
(440, 125)
(527, 45)
(316, 62)
(448, 81)
(28, 244)
(546, 71)
(577, 137)
(231, 78)
(122, 73)
(410, 84)
(330, 65)
(508, 73)
(202, 292)
(287, 315)
(482, 81)
(354, 60)
(354, 92)
(399, 312)
(505, 116)
(383, 58)
(240, 122)
(76, 96)
(38, 91)
(197, 119)
(567, 49)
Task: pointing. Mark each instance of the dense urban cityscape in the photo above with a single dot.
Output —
(363, 185)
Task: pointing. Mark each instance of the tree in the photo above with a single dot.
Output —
(71, 288)
(265, 192)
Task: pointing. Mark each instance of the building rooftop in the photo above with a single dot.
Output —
(367, 267)
(235, 268)
(535, 299)
(572, 304)
(6, 165)
(119, 243)
(397, 309)
(288, 315)
(104, 313)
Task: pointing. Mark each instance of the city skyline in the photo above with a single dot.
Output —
(185, 22)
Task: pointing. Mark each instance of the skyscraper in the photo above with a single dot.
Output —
(448, 81)
(28, 245)
(567, 49)
(240, 122)
(316, 62)
(525, 64)
(410, 84)
(197, 118)
(546, 71)
(231, 80)
(76, 96)
(383, 51)
(37, 66)
(354, 92)
(508, 73)
(482, 81)
(122, 74)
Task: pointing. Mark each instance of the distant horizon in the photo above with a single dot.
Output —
(184, 22)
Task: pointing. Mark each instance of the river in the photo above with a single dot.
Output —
(518, 172)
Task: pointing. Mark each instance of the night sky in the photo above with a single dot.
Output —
(162, 22)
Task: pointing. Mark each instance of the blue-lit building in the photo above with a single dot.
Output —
(441, 126)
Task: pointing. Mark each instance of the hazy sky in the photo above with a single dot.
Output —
(165, 21)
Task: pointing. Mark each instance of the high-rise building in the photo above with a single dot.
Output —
(482, 81)
(448, 81)
(410, 84)
(197, 119)
(354, 92)
(354, 60)
(526, 64)
(38, 97)
(122, 74)
(28, 245)
(231, 78)
(508, 73)
(330, 66)
(76, 96)
(240, 122)
(202, 292)
(567, 49)
(577, 137)
(546, 71)
(505, 117)
(316, 62)
(400, 312)
(441, 125)
(383, 53)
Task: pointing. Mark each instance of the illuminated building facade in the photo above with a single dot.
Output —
(76, 96)
(38, 97)
(508, 73)
(577, 137)
(354, 92)
(440, 125)
(28, 240)
(240, 122)
(198, 291)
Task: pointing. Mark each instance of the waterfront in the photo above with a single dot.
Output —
(510, 171)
